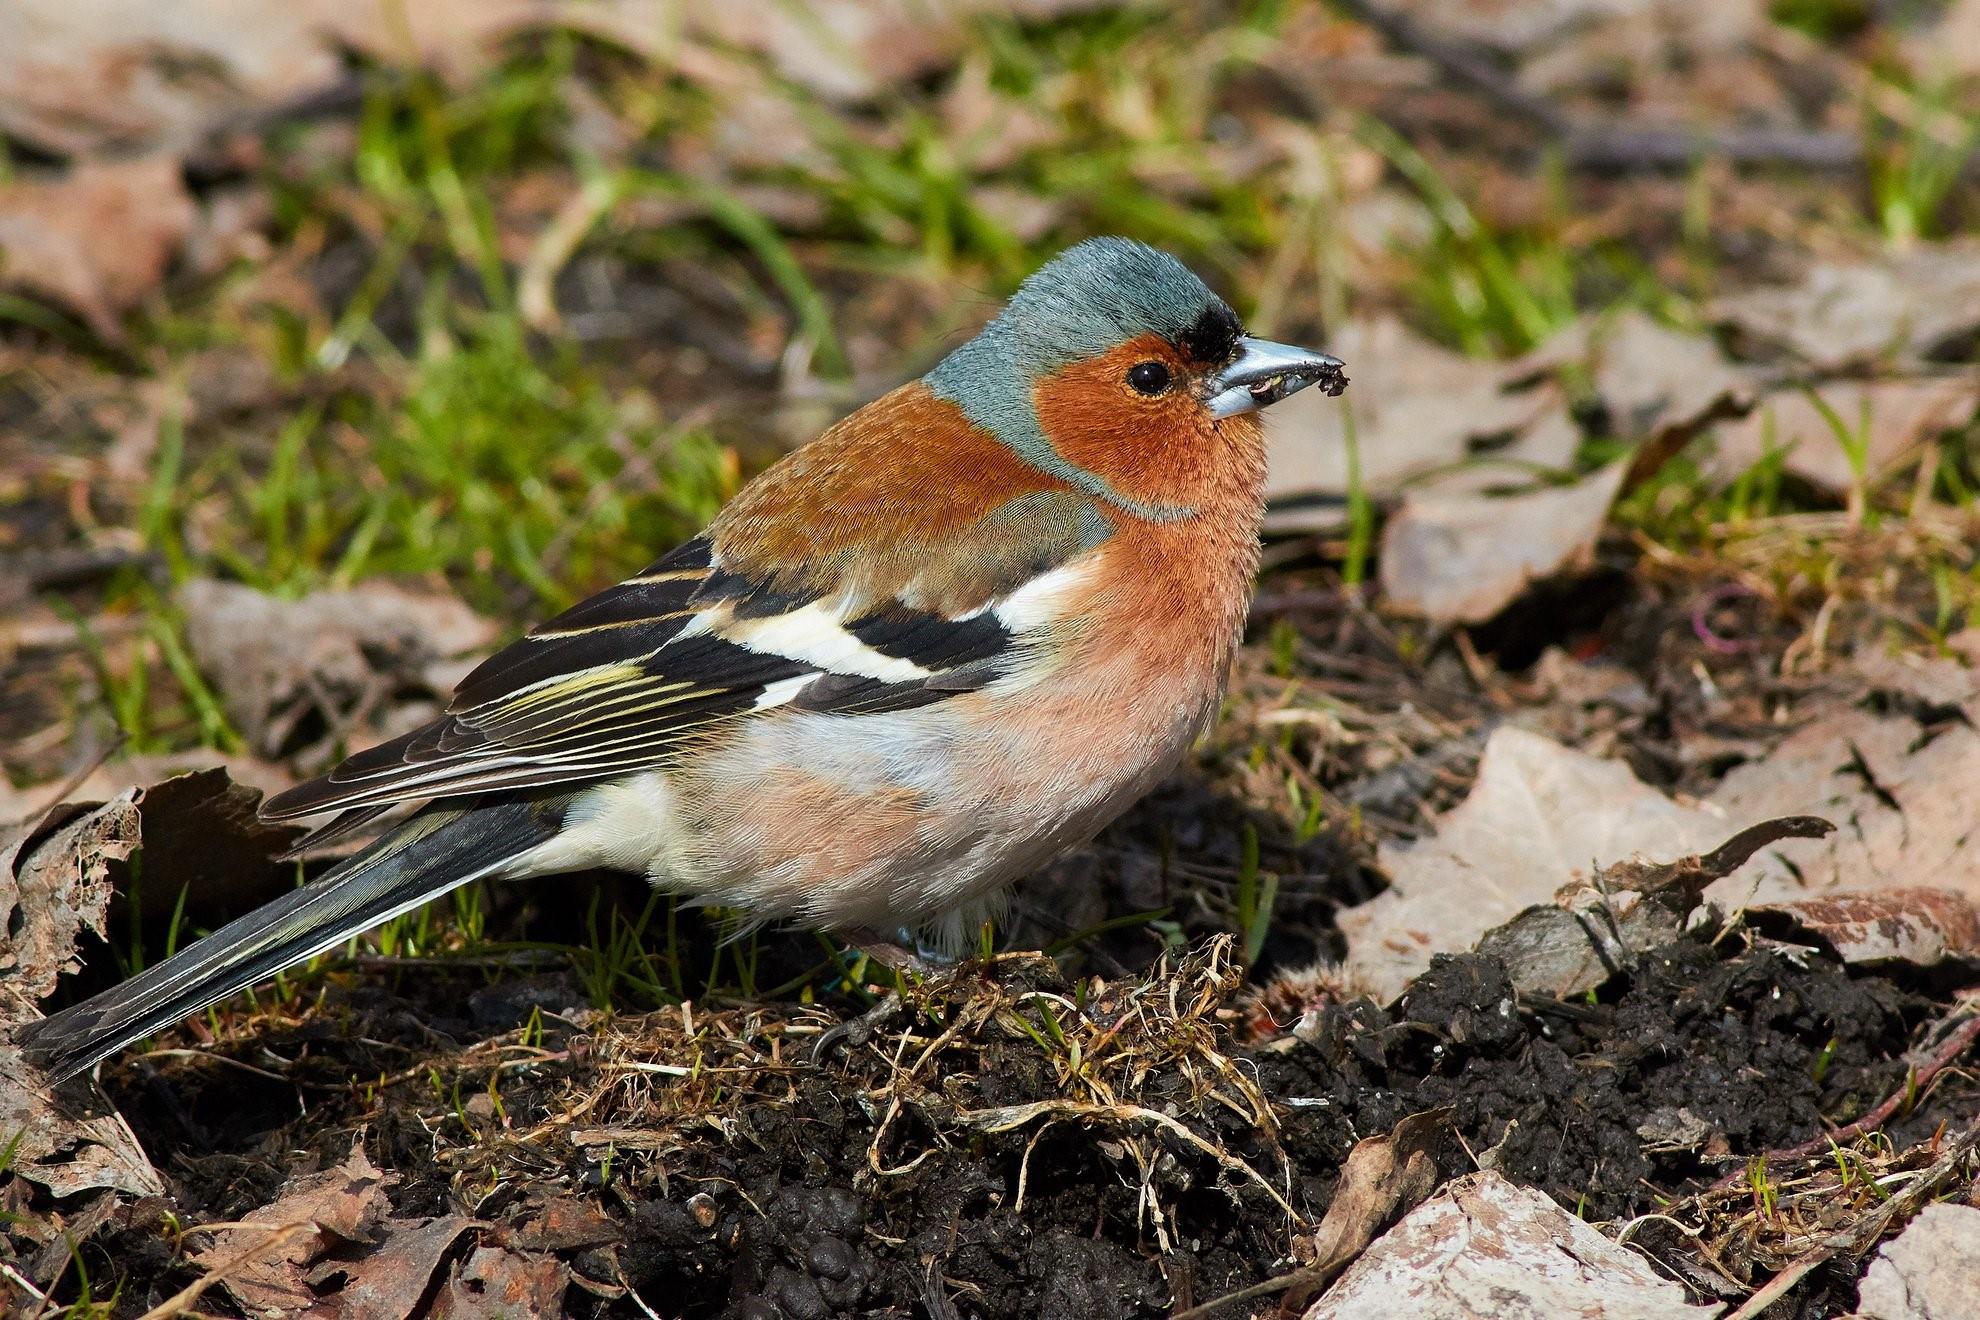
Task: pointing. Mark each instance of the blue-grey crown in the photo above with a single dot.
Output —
(1090, 298)
(1095, 296)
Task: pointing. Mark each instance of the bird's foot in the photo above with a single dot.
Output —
(855, 1032)
(891, 951)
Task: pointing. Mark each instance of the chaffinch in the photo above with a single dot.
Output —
(953, 636)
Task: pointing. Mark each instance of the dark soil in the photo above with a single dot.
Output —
(761, 1198)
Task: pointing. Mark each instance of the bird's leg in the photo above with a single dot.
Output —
(889, 951)
(899, 950)
(856, 1031)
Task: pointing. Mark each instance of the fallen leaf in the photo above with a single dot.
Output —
(1681, 62)
(991, 129)
(1462, 556)
(1911, 306)
(56, 882)
(851, 50)
(79, 77)
(560, 1223)
(1903, 795)
(1415, 407)
(68, 1142)
(1928, 1271)
(1648, 377)
(1483, 1246)
(493, 1281)
(390, 1282)
(203, 837)
(334, 657)
(1384, 1176)
(90, 76)
(1922, 927)
(113, 777)
(1596, 928)
(337, 1206)
(199, 834)
(1901, 792)
(52, 235)
(1890, 419)
(1539, 816)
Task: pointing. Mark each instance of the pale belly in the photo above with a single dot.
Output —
(917, 819)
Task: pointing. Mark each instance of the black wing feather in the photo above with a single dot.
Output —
(613, 685)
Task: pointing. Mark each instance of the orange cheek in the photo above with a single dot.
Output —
(1162, 449)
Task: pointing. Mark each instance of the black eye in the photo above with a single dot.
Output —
(1149, 377)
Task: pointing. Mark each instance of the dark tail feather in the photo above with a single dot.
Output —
(438, 850)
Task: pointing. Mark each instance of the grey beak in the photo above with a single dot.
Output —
(1263, 372)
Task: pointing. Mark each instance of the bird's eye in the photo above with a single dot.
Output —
(1149, 377)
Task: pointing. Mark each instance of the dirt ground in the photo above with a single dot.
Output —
(1647, 521)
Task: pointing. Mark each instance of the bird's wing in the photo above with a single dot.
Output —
(631, 677)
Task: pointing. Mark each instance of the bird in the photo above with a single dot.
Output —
(952, 637)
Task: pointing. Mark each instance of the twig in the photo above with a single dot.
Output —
(1914, 1083)
(633, 1293)
(1778, 1286)
(181, 1301)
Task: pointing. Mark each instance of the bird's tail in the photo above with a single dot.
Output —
(434, 852)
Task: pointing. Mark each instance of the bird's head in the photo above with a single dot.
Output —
(1116, 369)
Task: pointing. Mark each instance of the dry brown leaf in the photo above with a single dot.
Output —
(1931, 1271)
(559, 1223)
(327, 1245)
(85, 76)
(1383, 1177)
(1484, 1247)
(1651, 380)
(1918, 926)
(199, 833)
(335, 656)
(494, 1281)
(88, 76)
(1540, 816)
(850, 50)
(1910, 306)
(1903, 796)
(113, 777)
(1893, 417)
(1462, 556)
(338, 1206)
(56, 881)
(91, 76)
(68, 1141)
(203, 836)
(1904, 799)
(1596, 928)
(1681, 62)
(1415, 407)
(991, 129)
(53, 235)
(390, 1282)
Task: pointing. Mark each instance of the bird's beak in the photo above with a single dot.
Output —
(1263, 372)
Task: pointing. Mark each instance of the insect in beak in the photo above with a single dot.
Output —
(1263, 373)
